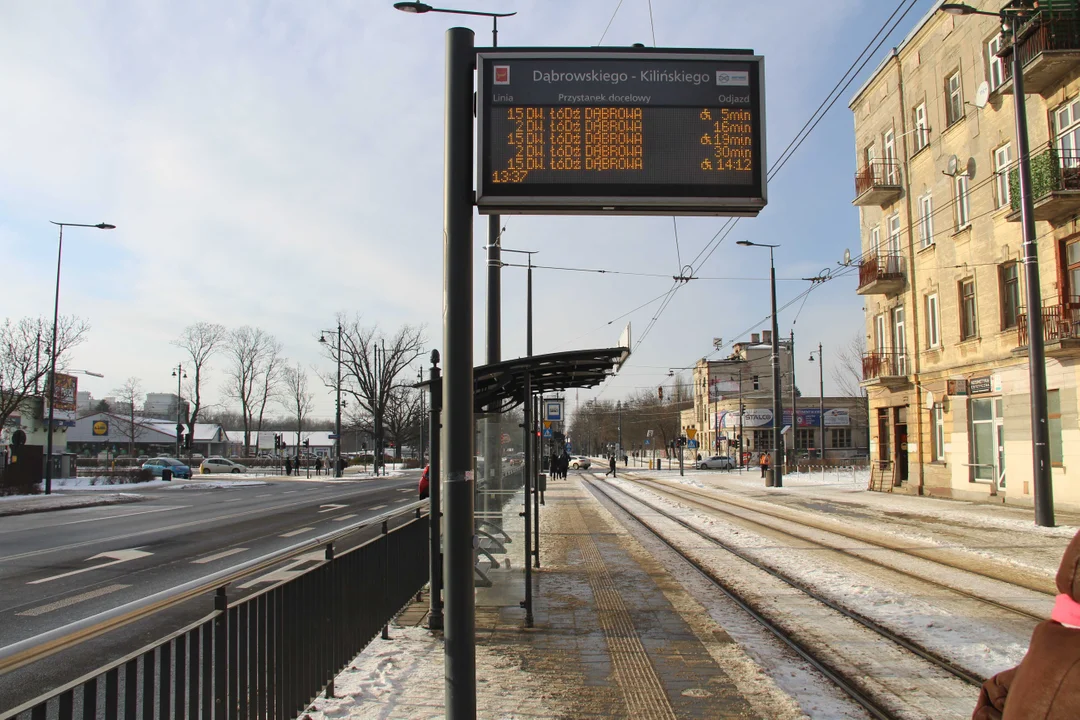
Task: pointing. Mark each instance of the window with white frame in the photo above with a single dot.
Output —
(888, 144)
(922, 132)
(926, 220)
(933, 322)
(875, 241)
(893, 249)
(1067, 126)
(954, 99)
(937, 433)
(969, 326)
(1002, 163)
(962, 187)
(995, 68)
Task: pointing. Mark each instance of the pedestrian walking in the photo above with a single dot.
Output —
(564, 465)
(318, 466)
(1046, 683)
(611, 467)
(763, 461)
(288, 465)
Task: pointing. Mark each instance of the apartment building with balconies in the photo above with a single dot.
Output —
(940, 267)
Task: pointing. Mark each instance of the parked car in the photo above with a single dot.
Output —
(580, 462)
(425, 483)
(221, 465)
(196, 456)
(716, 462)
(156, 465)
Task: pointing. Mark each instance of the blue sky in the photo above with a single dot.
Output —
(274, 162)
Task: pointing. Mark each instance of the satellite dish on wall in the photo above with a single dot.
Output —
(982, 95)
(970, 169)
(929, 400)
(953, 166)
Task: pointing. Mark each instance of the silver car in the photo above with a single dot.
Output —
(716, 462)
(221, 465)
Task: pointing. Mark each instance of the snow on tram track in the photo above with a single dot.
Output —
(896, 680)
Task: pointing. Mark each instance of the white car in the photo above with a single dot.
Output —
(221, 465)
(716, 462)
(580, 462)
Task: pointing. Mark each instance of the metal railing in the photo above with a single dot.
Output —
(266, 656)
(879, 173)
(1061, 321)
(1047, 30)
(880, 267)
(879, 364)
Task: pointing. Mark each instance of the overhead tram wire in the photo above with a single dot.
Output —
(852, 72)
(619, 5)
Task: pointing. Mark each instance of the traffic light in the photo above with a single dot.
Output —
(307, 443)
(187, 441)
(277, 442)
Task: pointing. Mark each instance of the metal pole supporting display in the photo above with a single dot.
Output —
(776, 470)
(794, 399)
(435, 618)
(457, 431)
(529, 470)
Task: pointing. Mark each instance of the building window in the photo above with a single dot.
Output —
(881, 339)
(1002, 162)
(963, 201)
(841, 438)
(899, 340)
(922, 133)
(968, 320)
(1072, 271)
(888, 144)
(983, 446)
(875, 241)
(757, 383)
(933, 324)
(763, 440)
(954, 105)
(892, 250)
(995, 68)
(1053, 420)
(804, 439)
(1010, 294)
(937, 433)
(869, 156)
(1067, 123)
(926, 220)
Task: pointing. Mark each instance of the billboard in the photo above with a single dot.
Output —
(806, 418)
(64, 400)
(629, 132)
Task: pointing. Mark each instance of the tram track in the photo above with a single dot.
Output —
(859, 687)
(714, 504)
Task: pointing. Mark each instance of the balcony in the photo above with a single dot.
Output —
(1055, 185)
(885, 367)
(1061, 328)
(1049, 47)
(878, 183)
(881, 275)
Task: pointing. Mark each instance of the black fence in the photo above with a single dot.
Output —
(266, 656)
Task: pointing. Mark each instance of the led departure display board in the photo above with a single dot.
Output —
(625, 132)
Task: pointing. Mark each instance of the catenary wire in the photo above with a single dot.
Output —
(619, 5)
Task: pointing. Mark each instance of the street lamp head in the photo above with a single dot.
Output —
(747, 243)
(105, 226)
(322, 339)
(956, 9)
(413, 7)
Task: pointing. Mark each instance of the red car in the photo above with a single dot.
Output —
(424, 482)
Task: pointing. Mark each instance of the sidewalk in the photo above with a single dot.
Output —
(615, 636)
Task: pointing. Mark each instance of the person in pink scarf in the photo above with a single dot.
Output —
(1046, 683)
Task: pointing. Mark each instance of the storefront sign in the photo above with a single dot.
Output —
(807, 418)
(101, 428)
(955, 387)
(979, 385)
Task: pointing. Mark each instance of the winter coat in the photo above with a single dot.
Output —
(1046, 683)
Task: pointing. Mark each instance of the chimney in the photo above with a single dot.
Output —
(766, 337)
(755, 339)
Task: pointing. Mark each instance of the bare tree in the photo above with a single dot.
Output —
(847, 371)
(297, 398)
(372, 384)
(128, 395)
(200, 340)
(270, 383)
(24, 357)
(249, 351)
(402, 419)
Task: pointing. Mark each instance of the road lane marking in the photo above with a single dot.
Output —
(408, 489)
(344, 517)
(289, 492)
(73, 600)
(107, 517)
(293, 533)
(288, 572)
(212, 558)
(402, 500)
(265, 495)
(377, 507)
(116, 557)
(233, 500)
(331, 507)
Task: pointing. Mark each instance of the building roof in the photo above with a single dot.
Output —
(265, 439)
(154, 430)
(895, 51)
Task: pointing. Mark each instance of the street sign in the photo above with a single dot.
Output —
(628, 132)
(547, 424)
(505, 438)
(648, 441)
(691, 433)
(547, 432)
(332, 436)
(553, 410)
(691, 444)
(569, 449)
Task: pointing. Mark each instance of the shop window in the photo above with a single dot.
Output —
(841, 437)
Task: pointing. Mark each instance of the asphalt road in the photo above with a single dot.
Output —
(62, 566)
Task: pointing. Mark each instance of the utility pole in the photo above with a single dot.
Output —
(794, 408)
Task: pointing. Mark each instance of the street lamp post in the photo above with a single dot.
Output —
(776, 472)
(821, 400)
(337, 401)
(52, 357)
(179, 374)
(1040, 434)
